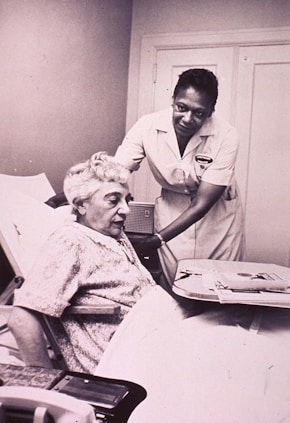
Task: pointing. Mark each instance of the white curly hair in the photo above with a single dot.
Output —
(83, 179)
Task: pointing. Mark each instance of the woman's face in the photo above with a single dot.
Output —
(106, 210)
(190, 110)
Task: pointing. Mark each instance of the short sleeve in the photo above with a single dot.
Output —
(131, 152)
(222, 168)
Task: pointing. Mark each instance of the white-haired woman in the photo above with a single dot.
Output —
(88, 260)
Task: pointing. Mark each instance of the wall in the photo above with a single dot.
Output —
(177, 16)
(63, 82)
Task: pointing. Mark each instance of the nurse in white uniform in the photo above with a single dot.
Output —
(192, 154)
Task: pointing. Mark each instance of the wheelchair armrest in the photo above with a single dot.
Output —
(101, 309)
(7, 295)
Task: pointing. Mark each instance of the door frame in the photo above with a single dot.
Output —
(151, 43)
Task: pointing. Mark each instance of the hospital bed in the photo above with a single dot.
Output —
(220, 364)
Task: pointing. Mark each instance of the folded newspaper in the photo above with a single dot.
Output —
(264, 288)
(267, 289)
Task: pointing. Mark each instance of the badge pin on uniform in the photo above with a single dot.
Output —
(203, 159)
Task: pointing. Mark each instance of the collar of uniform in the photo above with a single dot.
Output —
(163, 123)
(205, 131)
(208, 128)
(164, 120)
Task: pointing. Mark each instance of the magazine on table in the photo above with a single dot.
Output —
(268, 287)
(259, 288)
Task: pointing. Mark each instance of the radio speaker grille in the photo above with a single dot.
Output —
(141, 218)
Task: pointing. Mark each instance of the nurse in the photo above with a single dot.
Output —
(192, 154)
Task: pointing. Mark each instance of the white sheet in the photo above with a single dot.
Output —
(206, 368)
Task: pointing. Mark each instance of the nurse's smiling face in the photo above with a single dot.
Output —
(190, 110)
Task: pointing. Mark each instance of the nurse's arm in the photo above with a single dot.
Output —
(206, 196)
(27, 330)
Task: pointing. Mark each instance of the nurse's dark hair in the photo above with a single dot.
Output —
(201, 80)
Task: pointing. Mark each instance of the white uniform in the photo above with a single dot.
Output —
(210, 156)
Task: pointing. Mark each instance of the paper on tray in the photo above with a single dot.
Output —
(251, 281)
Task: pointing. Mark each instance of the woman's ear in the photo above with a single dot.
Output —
(81, 208)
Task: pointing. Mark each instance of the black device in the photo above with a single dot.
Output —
(112, 399)
(99, 393)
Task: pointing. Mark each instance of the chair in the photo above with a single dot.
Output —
(57, 200)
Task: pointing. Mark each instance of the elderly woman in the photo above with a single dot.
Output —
(88, 260)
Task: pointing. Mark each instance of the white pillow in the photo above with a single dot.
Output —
(25, 223)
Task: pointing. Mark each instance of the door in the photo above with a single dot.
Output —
(169, 65)
(263, 123)
(254, 92)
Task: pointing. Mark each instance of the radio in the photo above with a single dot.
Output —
(141, 218)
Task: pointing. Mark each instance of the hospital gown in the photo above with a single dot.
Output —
(78, 265)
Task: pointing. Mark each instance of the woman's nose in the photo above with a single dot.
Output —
(124, 208)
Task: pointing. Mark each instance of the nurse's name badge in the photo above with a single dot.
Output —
(203, 159)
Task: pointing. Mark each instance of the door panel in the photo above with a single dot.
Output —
(171, 63)
(263, 122)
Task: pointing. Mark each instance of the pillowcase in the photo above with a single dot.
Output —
(25, 223)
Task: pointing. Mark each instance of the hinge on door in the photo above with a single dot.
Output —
(154, 73)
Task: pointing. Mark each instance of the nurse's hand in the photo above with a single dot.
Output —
(147, 244)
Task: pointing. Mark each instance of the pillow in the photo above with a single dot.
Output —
(25, 224)
(36, 186)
